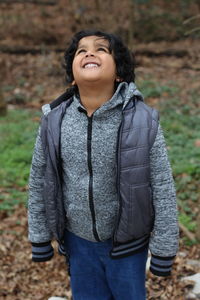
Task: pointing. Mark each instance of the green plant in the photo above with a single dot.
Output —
(188, 222)
(150, 88)
(18, 131)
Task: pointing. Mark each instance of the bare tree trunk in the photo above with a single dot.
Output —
(131, 23)
(183, 8)
(98, 5)
(3, 105)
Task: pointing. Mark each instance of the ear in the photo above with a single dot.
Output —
(73, 82)
(118, 79)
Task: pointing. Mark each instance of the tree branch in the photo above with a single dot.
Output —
(38, 50)
(40, 2)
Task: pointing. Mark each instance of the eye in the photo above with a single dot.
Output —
(102, 49)
(80, 51)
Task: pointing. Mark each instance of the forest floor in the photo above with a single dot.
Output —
(34, 80)
(22, 279)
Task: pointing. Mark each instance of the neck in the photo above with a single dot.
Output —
(93, 97)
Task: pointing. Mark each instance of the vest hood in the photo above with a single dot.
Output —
(124, 92)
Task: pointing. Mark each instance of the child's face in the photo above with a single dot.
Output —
(93, 62)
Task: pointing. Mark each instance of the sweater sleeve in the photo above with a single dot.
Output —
(38, 230)
(165, 234)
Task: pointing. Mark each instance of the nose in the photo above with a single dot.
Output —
(89, 53)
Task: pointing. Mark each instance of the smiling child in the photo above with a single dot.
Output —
(101, 183)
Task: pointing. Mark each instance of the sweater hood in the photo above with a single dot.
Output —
(46, 109)
(130, 90)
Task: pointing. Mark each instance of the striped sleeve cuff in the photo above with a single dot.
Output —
(42, 252)
(161, 266)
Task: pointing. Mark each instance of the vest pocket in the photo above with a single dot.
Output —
(141, 211)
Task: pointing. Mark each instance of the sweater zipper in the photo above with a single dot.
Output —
(90, 190)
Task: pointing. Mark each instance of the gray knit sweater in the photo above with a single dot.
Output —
(74, 156)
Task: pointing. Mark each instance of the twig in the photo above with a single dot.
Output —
(191, 19)
(189, 234)
(192, 30)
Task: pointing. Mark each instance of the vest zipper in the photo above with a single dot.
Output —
(90, 190)
(118, 179)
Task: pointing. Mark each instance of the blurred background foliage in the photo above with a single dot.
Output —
(142, 20)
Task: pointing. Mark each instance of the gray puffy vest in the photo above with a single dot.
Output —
(135, 138)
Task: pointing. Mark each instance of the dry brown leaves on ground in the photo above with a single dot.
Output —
(22, 279)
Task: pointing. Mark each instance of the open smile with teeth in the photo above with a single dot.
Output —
(90, 65)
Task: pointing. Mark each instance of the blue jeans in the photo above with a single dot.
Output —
(96, 276)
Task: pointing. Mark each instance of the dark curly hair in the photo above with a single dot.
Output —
(124, 60)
